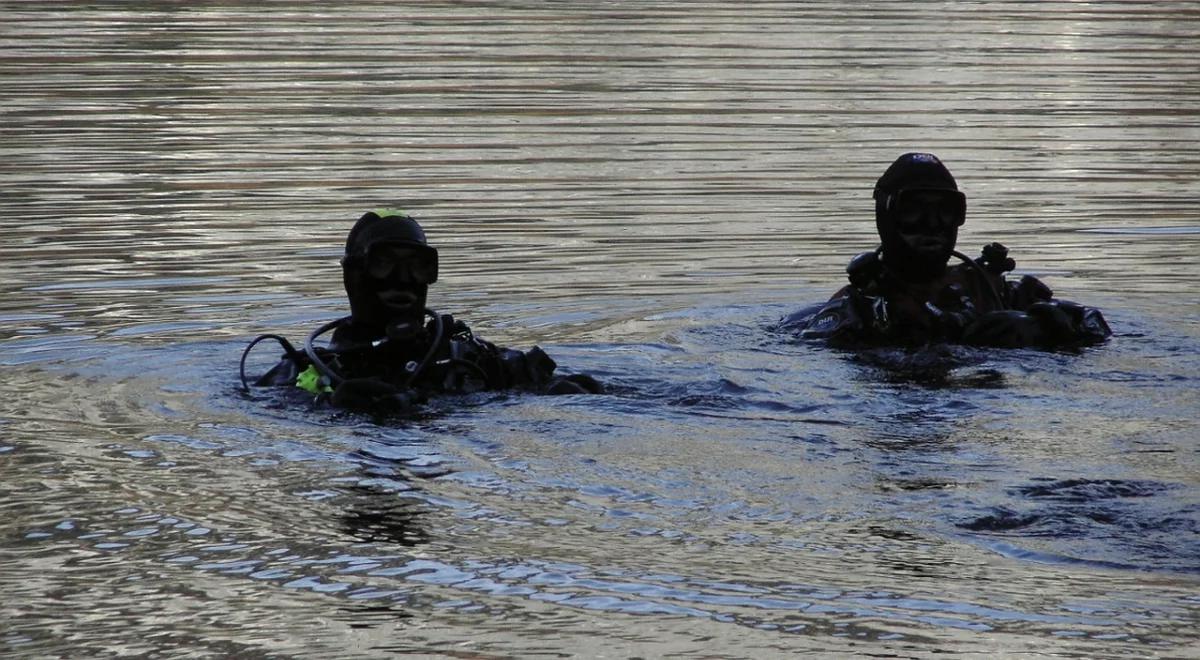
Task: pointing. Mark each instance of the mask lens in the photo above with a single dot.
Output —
(937, 210)
(403, 263)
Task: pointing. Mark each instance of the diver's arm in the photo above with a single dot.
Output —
(1046, 324)
(798, 320)
(1069, 323)
(1026, 292)
(496, 367)
(849, 317)
(535, 368)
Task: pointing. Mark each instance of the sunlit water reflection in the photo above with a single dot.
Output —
(643, 191)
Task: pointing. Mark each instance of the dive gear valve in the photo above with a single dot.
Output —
(404, 330)
(880, 319)
(864, 269)
(995, 259)
(312, 381)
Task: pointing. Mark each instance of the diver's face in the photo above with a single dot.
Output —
(388, 282)
(928, 220)
(401, 275)
(402, 263)
(407, 300)
(400, 307)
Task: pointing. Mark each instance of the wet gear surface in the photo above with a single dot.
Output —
(968, 304)
(388, 375)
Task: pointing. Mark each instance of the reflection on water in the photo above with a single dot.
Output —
(643, 191)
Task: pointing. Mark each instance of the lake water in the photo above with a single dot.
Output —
(641, 188)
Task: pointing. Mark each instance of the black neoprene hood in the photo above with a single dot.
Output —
(369, 313)
(916, 170)
(911, 171)
(391, 227)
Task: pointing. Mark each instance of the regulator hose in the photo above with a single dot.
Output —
(983, 274)
(336, 379)
(439, 331)
(287, 349)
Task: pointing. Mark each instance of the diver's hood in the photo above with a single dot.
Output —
(911, 171)
(383, 226)
(369, 313)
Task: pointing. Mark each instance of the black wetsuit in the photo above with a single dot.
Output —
(376, 373)
(968, 304)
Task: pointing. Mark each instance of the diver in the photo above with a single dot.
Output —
(392, 352)
(905, 293)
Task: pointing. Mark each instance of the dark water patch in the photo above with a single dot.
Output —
(375, 515)
(1129, 524)
(936, 366)
(724, 398)
(1090, 490)
(722, 394)
(948, 366)
(1042, 557)
(1001, 521)
(918, 484)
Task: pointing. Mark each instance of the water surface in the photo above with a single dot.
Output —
(642, 189)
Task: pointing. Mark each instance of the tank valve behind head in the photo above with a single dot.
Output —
(995, 259)
(864, 269)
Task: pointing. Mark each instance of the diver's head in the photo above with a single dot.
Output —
(918, 210)
(387, 270)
